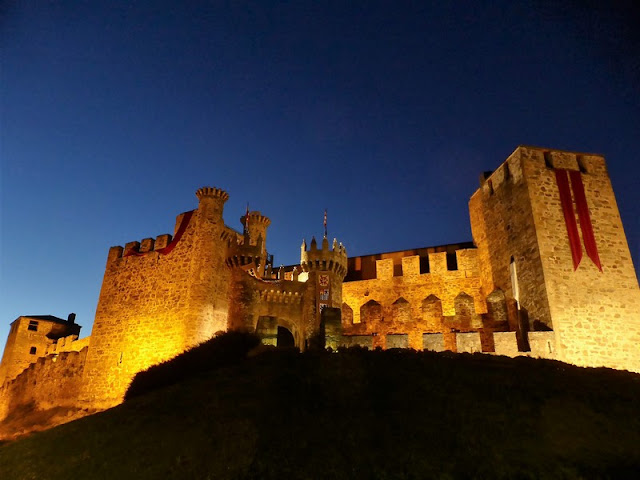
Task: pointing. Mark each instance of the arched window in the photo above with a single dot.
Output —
(432, 311)
(401, 311)
(463, 305)
(371, 312)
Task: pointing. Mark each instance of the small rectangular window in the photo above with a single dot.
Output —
(33, 326)
(33, 350)
(397, 270)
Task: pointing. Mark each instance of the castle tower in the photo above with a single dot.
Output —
(549, 235)
(245, 261)
(30, 337)
(158, 298)
(208, 288)
(257, 230)
(326, 268)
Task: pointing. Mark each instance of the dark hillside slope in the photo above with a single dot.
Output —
(394, 414)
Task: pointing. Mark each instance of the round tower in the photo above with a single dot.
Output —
(256, 227)
(245, 261)
(326, 268)
(212, 201)
(206, 311)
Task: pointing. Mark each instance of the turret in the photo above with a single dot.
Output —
(257, 225)
(212, 201)
(326, 268)
(325, 259)
(246, 256)
(256, 231)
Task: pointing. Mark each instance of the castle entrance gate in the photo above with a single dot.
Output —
(285, 338)
(277, 331)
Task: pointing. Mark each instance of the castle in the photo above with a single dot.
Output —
(549, 274)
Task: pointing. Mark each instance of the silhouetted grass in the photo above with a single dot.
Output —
(356, 414)
(226, 349)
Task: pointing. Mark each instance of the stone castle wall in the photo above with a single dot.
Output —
(413, 304)
(596, 314)
(25, 345)
(157, 301)
(68, 344)
(254, 300)
(517, 214)
(503, 230)
(153, 306)
(52, 381)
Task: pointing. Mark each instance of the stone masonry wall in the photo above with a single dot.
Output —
(517, 214)
(153, 306)
(596, 315)
(21, 342)
(52, 381)
(503, 228)
(415, 303)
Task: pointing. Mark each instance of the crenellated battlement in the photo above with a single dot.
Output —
(162, 244)
(334, 259)
(243, 254)
(256, 218)
(512, 169)
(213, 192)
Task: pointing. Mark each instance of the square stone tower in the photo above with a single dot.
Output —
(29, 339)
(549, 235)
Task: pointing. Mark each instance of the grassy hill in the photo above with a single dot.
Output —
(356, 414)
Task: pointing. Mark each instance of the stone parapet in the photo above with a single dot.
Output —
(324, 259)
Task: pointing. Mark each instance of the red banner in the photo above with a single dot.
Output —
(569, 216)
(585, 219)
(167, 250)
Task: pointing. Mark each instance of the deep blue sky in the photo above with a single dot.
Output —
(384, 113)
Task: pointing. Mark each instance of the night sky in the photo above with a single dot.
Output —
(384, 113)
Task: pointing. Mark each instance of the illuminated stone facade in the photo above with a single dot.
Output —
(517, 218)
(513, 291)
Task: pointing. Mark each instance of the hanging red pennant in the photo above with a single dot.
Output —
(569, 216)
(585, 219)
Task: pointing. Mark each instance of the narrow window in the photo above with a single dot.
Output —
(33, 350)
(514, 281)
(33, 326)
